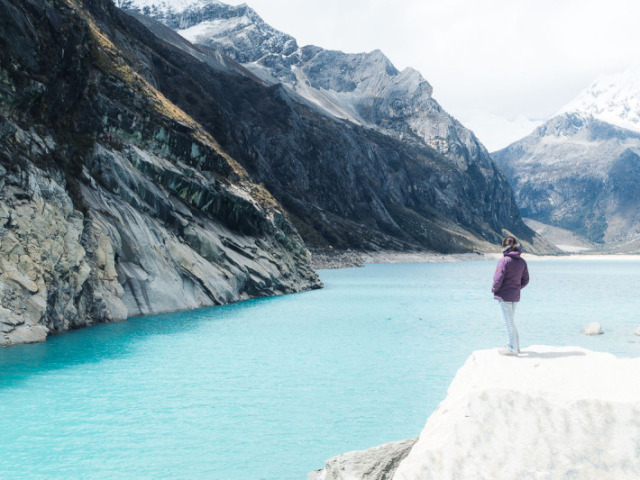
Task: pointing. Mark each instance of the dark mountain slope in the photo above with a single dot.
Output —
(115, 202)
(344, 185)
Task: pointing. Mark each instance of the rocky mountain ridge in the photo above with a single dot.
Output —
(578, 173)
(115, 202)
(580, 170)
(364, 88)
(142, 173)
(381, 106)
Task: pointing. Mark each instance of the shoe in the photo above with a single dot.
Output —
(507, 353)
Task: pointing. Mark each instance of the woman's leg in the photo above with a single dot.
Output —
(508, 312)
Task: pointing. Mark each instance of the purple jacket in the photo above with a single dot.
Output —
(511, 276)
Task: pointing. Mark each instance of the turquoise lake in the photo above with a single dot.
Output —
(271, 388)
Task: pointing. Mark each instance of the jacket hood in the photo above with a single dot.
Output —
(511, 248)
(512, 251)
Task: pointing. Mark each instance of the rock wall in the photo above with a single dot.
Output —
(113, 201)
(57, 269)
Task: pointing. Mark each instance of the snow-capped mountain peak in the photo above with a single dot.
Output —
(363, 88)
(613, 98)
(164, 6)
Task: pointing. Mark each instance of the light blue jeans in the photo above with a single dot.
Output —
(508, 312)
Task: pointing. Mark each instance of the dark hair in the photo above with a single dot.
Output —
(509, 241)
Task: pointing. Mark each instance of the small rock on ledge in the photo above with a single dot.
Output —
(378, 463)
(592, 328)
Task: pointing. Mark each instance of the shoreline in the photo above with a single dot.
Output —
(587, 256)
(329, 260)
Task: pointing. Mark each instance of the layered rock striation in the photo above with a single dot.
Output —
(359, 153)
(114, 202)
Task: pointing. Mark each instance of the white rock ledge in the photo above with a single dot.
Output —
(552, 413)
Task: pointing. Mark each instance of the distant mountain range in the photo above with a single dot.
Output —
(403, 173)
(581, 169)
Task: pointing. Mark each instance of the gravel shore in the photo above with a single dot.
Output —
(351, 259)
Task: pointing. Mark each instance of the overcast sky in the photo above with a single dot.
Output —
(496, 65)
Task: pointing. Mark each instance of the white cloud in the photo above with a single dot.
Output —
(506, 58)
(496, 132)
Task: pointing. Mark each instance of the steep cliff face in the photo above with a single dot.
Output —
(113, 201)
(359, 153)
(578, 173)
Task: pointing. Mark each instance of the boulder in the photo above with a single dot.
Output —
(592, 328)
(378, 463)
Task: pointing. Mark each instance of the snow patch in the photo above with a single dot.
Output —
(214, 28)
(165, 6)
(613, 98)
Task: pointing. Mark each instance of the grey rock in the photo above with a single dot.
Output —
(364, 88)
(378, 463)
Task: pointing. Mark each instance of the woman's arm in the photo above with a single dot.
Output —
(498, 277)
(525, 276)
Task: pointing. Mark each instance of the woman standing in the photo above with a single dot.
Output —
(511, 276)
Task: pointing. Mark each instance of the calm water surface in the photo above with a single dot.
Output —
(269, 389)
